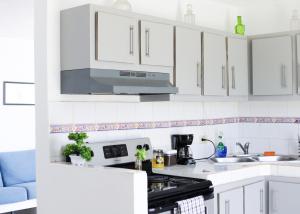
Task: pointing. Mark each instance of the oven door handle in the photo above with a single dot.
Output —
(162, 209)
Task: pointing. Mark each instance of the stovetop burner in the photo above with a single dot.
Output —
(157, 179)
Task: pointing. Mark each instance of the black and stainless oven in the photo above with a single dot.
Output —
(164, 191)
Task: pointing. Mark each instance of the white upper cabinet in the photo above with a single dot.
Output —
(116, 38)
(188, 61)
(214, 65)
(272, 66)
(237, 67)
(156, 44)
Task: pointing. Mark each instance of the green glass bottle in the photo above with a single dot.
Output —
(240, 28)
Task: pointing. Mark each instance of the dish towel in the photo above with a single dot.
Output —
(191, 206)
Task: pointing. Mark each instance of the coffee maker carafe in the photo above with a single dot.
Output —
(182, 144)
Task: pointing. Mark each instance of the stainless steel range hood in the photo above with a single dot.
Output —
(104, 81)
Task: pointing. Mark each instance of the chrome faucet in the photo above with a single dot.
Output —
(245, 147)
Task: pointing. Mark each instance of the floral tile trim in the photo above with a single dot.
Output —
(66, 128)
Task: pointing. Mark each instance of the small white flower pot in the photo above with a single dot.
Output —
(77, 160)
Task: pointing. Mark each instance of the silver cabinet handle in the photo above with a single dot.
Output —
(147, 45)
(131, 42)
(261, 201)
(273, 201)
(227, 207)
(199, 78)
(298, 76)
(223, 77)
(283, 76)
(233, 77)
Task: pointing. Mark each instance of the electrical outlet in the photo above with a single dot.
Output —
(201, 141)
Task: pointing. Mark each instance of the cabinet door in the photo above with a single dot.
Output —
(117, 38)
(272, 66)
(156, 44)
(283, 198)
(188, 61)
(214, 70)
(298, 63)
(255, 198)
(238, 67)
(231, 202)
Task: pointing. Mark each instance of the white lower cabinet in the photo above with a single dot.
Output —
(284, 198)
(231, 202)
(255, 199)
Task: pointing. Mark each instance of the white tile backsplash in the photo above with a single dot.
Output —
(84, 112)
(126, 112)
(161, 111)
(279, 137)
(60, 113)
(144, 112)
(106, 112)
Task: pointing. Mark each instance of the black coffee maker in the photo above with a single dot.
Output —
(182, 144)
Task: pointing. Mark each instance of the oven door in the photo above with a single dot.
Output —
(172, 209)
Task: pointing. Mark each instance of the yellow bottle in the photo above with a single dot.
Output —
(158, 159)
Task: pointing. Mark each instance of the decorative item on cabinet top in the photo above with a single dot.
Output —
(240, 27)
(189, 16)
(122, 5)
(295, 21)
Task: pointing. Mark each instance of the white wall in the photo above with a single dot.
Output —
(268, 16)
(16, 64)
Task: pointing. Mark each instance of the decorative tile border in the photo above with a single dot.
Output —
(166, 124)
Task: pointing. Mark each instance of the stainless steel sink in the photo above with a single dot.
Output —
(233, 160)
(255, 158)
(276, 158)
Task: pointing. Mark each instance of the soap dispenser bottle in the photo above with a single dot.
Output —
(221, 148)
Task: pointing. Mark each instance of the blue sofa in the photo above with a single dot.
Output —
(17, 179)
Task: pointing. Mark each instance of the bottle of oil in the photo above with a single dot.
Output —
(158, 159)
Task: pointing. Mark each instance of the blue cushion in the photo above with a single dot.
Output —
(30, 188)
(17, 167)
(12, 195)
(1, 182)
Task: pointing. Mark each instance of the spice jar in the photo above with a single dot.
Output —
(170, 158)
(158, 159)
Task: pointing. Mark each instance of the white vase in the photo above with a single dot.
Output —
(77, 160)
(122, 5)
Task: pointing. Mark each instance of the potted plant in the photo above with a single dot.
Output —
(77, 153)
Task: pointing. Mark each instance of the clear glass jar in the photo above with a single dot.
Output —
(138, 164)
(295, 21)
(122, 5)
(158, 159)
(189, 16)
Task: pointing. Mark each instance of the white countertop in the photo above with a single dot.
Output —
(226, 173)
